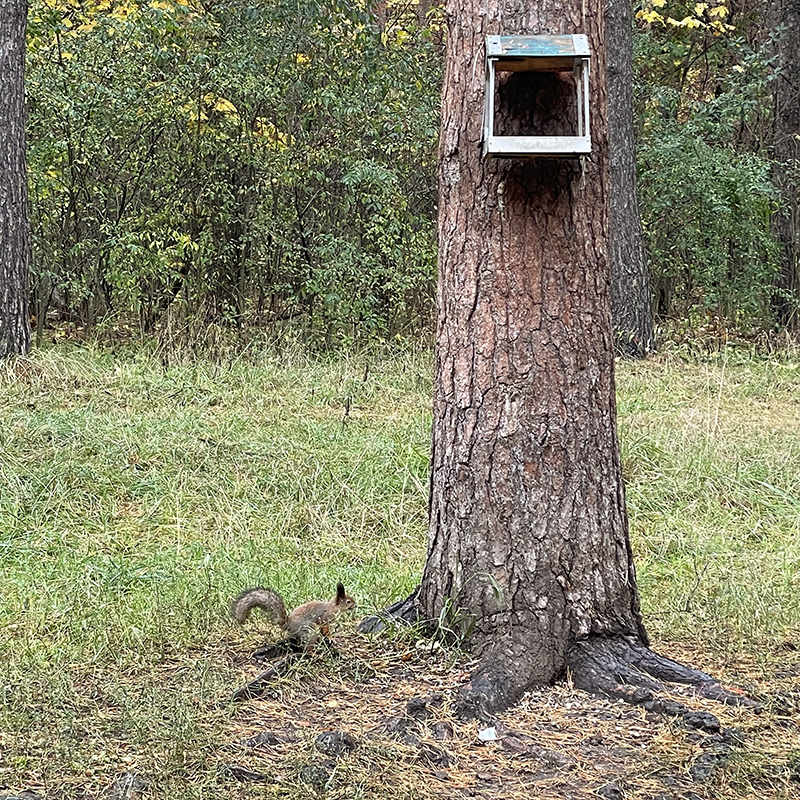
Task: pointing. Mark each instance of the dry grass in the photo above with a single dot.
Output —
(557, 743)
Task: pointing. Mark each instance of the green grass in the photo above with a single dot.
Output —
(711, 454)
(135, 500)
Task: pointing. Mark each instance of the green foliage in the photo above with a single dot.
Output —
(706, 193)
(241, 161)
(706, 216)
(195, 165)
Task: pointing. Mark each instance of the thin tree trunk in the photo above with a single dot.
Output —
(15, 337)
(631, 302)
(785, 18)
(423, 8)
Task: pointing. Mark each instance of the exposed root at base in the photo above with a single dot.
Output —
(492, 689)
(261, 683)
(622, 667)
(404, 612)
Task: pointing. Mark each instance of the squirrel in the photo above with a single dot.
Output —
(305, 624)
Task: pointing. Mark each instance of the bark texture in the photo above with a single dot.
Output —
(528, 544)
(14, 231)
(785, 18)
(631, 302)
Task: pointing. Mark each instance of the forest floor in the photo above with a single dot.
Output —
(377, 722)
(137, 498)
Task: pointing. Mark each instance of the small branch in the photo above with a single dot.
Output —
(258, 686)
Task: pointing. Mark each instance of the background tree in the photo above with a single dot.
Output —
(234, 163)
(14, 232)
(784, 16)
(705, 186)
(193, 165)
(631, 301)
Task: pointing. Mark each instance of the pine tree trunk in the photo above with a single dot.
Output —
(631, 303)
(785, 17)
(14, 232)
(528, 534)
(529, 560)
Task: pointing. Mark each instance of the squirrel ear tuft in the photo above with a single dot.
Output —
(340, 591)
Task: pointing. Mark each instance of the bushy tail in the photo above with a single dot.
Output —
(264, 598)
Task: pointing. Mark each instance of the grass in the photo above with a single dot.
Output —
(711, 454)
(136, 500)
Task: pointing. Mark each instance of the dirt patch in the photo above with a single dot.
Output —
(377, 722)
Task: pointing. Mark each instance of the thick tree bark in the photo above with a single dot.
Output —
(631, 302)
(529, 560)
(785, 18)
(528, 543)
(14, 231)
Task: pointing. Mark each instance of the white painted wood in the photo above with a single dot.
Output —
(488, 104)
(530, 146)
(585, 81)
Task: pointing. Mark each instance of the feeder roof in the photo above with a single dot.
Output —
(536, 53)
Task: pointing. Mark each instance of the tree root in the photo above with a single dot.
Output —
(623, 668)
(492, 689)
(403, 611)
(261, 683)
(288, 651)
(269, 652)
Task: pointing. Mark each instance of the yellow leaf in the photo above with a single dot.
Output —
(279, 140)
(219, 104)
(650, 16)
(224, 106)
(686, 22)
(720, 27)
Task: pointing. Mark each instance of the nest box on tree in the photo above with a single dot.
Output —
(558, 53)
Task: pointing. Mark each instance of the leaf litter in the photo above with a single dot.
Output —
(391, 701)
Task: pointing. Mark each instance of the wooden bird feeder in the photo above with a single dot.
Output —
(564, 53)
